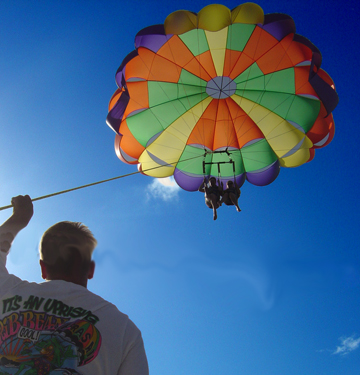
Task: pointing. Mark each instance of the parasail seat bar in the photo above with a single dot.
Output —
(218, 164)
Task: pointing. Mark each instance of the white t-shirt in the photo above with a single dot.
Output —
(58, 327)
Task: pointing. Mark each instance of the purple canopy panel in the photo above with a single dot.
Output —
(316, 54)
(240, 179)
(152, 38)
(326, 93)
(264, 177)
(187, 182)
(149, 30)
(115, 116)
(120, 76)
(154, 42)
(278, 25)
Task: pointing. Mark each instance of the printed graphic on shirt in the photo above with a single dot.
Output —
(44, 337)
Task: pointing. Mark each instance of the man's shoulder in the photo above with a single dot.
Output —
(108, 311)
(103, 303)
(9, 281)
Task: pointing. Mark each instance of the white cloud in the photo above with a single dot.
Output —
(348, 344)
(256, 276)
(164, 188)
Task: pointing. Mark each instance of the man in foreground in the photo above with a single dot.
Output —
(59, 325)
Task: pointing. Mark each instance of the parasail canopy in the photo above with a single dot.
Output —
(225, 93)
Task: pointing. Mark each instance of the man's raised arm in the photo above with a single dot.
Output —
(22, 213)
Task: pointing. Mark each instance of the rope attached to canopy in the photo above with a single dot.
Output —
(95, 183)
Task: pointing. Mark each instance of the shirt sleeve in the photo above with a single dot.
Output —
(6, 239)
(135, 361)
(3, 270)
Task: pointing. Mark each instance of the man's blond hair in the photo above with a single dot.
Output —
(60, 240)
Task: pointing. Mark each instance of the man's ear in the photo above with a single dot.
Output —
(91, 270)
(43, 269)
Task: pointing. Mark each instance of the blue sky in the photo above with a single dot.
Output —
(271, 290)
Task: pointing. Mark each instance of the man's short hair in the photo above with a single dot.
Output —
(66, 243)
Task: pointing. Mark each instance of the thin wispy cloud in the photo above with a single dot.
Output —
(255, 276)
(164, 188)
(348, 344)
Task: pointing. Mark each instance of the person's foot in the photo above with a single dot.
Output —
(215, 215)
(238, 209)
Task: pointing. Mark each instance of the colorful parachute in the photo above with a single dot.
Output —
(232, 94)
